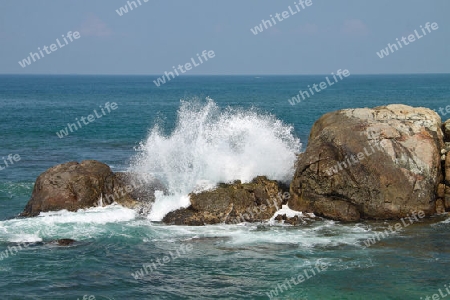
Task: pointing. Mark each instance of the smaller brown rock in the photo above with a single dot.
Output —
(440, 207)
(293, 221)
(446, 130)
(447, 203)
(447, 197)
(447, 170)
(75, 186)
(233, 203)
(441, 190)
(65, 242)
(280, 218)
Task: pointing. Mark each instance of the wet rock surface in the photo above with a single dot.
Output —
(74, 186)
(232, 203)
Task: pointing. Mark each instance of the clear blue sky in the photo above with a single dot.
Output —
(326, 36)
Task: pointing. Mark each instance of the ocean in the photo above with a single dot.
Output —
(192, 133)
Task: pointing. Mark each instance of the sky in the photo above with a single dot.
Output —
(321, 38)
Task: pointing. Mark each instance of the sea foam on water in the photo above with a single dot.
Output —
(210, 145)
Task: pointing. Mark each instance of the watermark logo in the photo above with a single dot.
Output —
(442, 112)
(319, 87)
(411, 38)
(90, 118)
(266, 24)
(13, 250)
(124, 9)
(53, 47)
(439, 296)
(92, 297)
(9, 161)
(87, 297)
(123, 191)
(346, 163)
(305, 275)
(392, 229)
(152, 266)
(187, 67)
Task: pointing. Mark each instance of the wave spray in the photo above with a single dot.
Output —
(210, 145)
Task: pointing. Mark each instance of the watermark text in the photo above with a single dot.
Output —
(319, 87)
(266, 24)
(411, 38)
(9, 161)
(187, 67)
(48, 50)
(86, 120)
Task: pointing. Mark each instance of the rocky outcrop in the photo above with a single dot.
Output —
(443, 193)
(379, 163)
(74, 186)
(232, 203)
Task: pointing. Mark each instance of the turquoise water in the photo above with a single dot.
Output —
(243, 261)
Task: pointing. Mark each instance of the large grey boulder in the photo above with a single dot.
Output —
(378, 163)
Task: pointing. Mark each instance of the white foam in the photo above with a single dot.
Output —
(99, 215)
(82, 224)
(211, 145)
(165, 204)
(24, 238)
(446, 221)
(323, 233)
(285, 210)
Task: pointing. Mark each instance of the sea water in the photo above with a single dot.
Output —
(191, 134)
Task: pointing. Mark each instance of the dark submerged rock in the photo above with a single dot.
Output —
(65, 242)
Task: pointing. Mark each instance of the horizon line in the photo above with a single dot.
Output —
(193, 75)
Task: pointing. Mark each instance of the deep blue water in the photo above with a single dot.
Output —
(227, 262)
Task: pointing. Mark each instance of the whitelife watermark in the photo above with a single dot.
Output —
(92, 297)
(121, 192)
(152, 266)
(305, 275)
(355, 159)
(439, 296)
(441, 110)
(411, 38)
(11, 158)
(281, 17)
(87, 297)
(124, 9)
(53, 47)
(13, 250)
(393, 229)
(319, 87)
(90, 118)
(187, 67)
